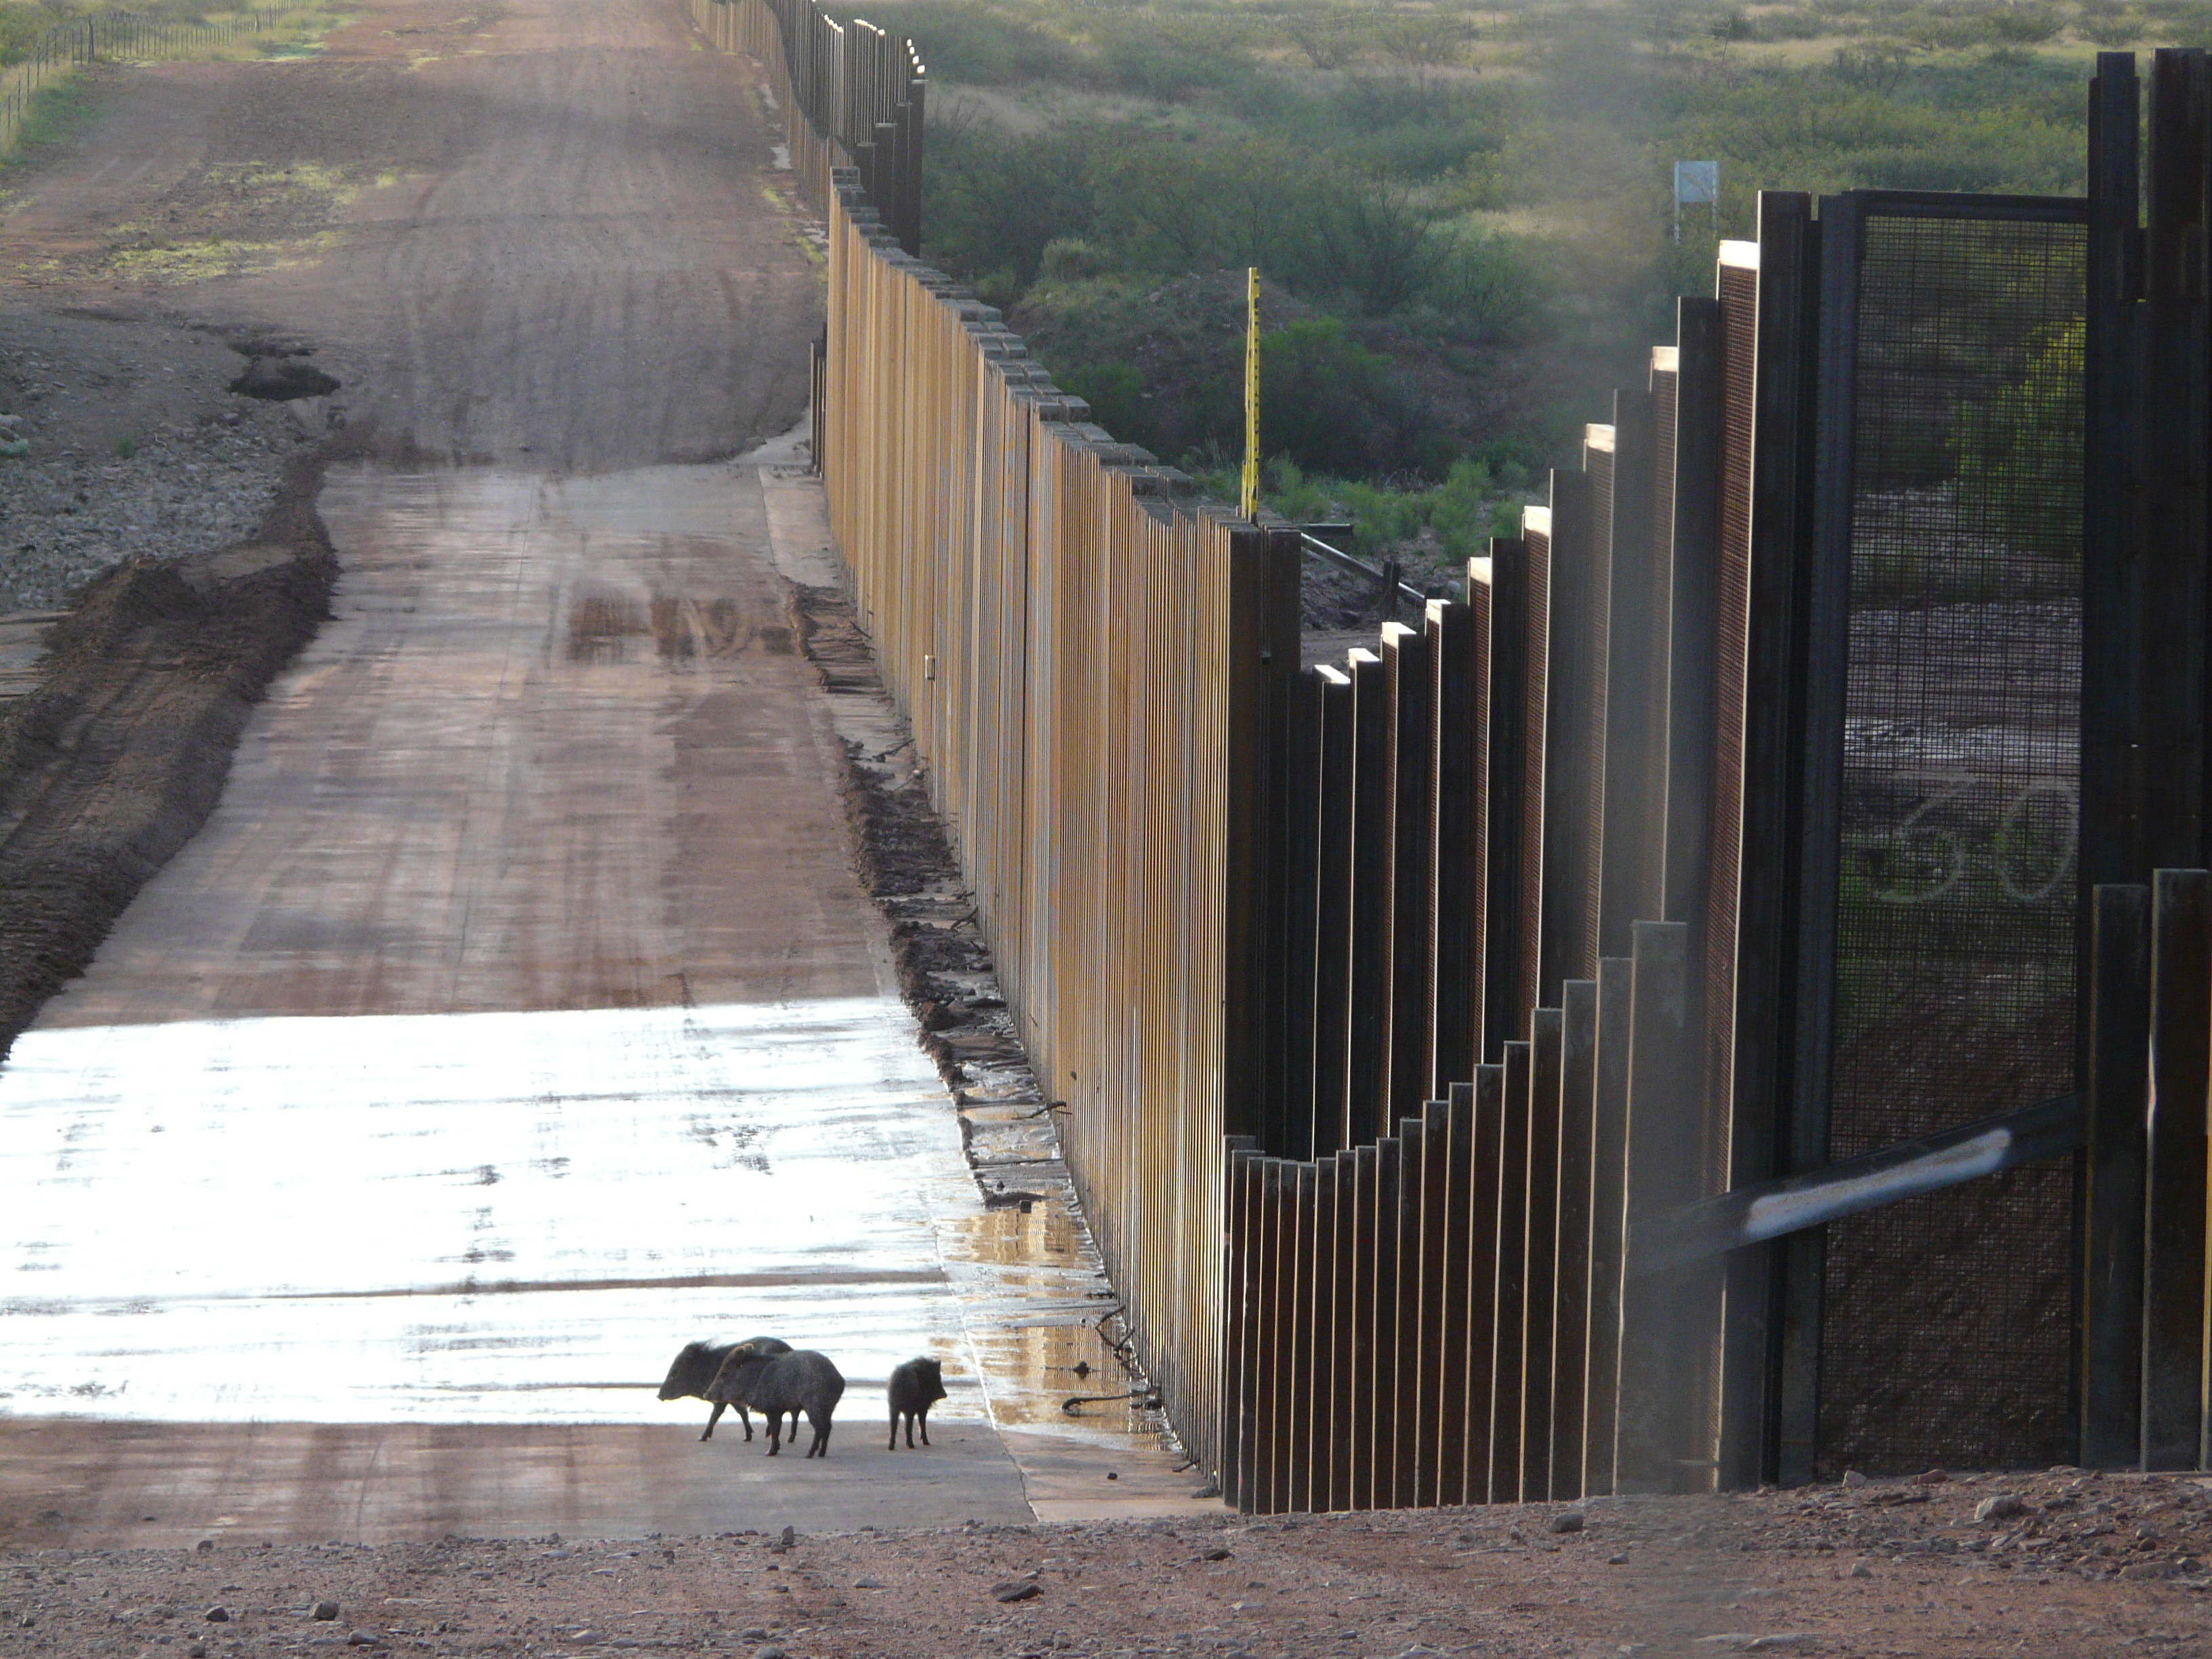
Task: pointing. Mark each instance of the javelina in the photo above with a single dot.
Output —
(916, 1387)
(695, 1368)
(774, 1384)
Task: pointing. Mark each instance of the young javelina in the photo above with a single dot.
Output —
(916, 1387)
(773, 1383)
(695, 1368)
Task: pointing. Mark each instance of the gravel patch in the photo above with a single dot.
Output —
(132, 445)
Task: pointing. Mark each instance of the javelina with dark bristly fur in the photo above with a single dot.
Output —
(694, 1371)
(916, 1387)
(773, 1383)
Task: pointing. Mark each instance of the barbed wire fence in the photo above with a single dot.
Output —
(115, 36)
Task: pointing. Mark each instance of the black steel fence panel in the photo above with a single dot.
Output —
(1950, 517)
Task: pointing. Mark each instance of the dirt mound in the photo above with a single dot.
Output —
(113, 763)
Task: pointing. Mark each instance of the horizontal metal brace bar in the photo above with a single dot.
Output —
(1769, 1209)
(1339, 557)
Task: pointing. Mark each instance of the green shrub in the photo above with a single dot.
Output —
(2018, 451)
(1329, 404)
(1462, 509)
(1070, 258)
(1449, 523)
(20, 28)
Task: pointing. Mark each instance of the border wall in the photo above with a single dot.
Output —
(1092, 663)
(1628, 1028)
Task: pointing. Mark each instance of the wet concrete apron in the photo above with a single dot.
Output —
(515, 1018)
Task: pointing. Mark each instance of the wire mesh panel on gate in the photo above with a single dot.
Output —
(1946, 1337)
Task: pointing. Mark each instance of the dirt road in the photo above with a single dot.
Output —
(2062, 1566)
(517, 1015)
(548, 232)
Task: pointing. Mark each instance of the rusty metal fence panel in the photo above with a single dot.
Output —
(1095, 669)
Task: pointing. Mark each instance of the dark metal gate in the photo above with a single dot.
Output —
(1941, 814)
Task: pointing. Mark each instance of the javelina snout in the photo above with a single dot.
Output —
(693, 1374)
(915, 1388)
(778, 1382)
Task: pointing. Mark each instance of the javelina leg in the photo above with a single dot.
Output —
(714, 1417)
(895, 1422)
(776, 1434)
(821, 1446)
(909, 1429)
(924, 1426)
(745, 1417)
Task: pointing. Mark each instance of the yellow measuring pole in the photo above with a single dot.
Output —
(1251, 494)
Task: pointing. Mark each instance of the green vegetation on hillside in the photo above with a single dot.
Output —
(1463, 213)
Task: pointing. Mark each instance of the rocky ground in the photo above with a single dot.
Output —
(2058, 1563)
(130, 442)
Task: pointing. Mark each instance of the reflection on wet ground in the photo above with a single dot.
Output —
(482, 1218)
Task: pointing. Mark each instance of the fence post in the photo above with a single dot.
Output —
(1540, 1254)
(1407, 1440)
(1262, 1490)
(2170, 660)
(1344, 1464)
(1300, 1416)
(1667, 1320)
(1292, 843)
(1608, 1203)
(1824, 611)
(1411, 965)
(1331, 1015)
(1459, 640)
(1380, 1358)
(1692, 603)
(1445, 1406)
(1507, 1376)
(1633, 843)
(1358, 1425)
(2174, 1169)
(1368, 1028)
(1300, 898)
(1262, 654)
(2116, 1105)
(1505, 808)
(2113, 590)
(1572, 1269)
(1236, 1302)
(918, 126)
(1326, 1411)
(1485, 1159)
(1773, 744)
(1572, 824)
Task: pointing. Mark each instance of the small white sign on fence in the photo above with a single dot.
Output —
(1697, 182)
